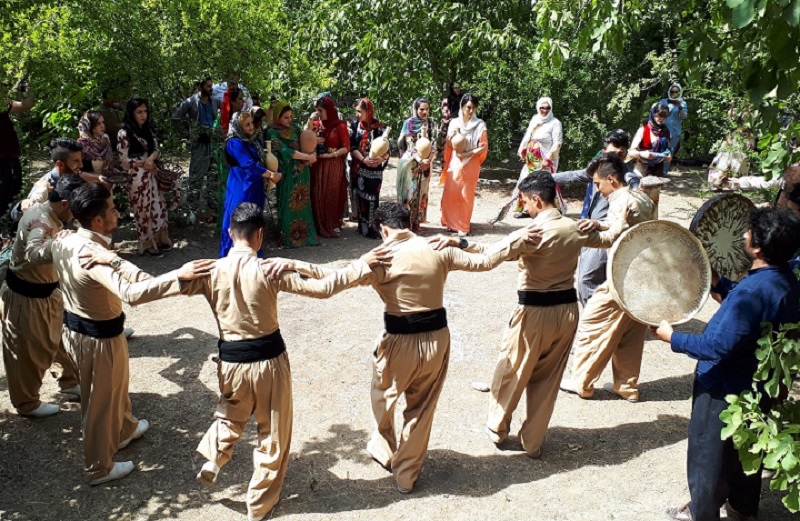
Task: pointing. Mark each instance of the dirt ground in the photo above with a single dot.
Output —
(604, 459)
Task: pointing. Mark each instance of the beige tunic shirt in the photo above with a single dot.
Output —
(415, 280)
(245, 302)
(98, 293)
(549, 265)
(636, 205)
(30, 256)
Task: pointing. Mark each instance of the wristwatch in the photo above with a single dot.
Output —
(463, 243)
(116, 263)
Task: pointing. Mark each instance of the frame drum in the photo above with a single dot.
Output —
(720, 225)
(658, 270)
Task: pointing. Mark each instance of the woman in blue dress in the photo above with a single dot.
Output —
(245, 184)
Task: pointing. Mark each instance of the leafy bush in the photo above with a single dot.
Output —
(771, 439)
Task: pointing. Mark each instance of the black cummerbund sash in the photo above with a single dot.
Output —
(253, 350)
(545, 299)
(423, 322)
(95, 328)
(29, 289)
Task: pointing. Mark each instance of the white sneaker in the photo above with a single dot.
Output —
(571, 386)
(44, 409)
(138, 433)
(128, 332)
(75, 391)
(208, 474)
(118, 471)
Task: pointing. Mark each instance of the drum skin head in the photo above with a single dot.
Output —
(658, 270)
(720, 225)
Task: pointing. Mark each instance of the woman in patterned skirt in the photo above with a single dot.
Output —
(366, 173)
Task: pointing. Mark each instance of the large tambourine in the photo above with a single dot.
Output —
(658, 270)
(720, 225)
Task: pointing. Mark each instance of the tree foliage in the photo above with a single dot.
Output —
(771, 439)
(756, 43)
(158, 49)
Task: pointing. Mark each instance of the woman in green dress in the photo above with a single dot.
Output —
(295, 220)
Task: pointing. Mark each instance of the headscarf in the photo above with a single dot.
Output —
(236, 131)
(333, 122)
(94, 148)
(371, 124)
(413, 125)
(277, 111)
(539, 119)
(446, 114)
(471, 130)
(225, 110)
(659, 130)
(672, 86)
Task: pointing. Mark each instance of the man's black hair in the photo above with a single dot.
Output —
(607, 164)
(88, 201)
(776, 232)
(393, 215)
(541, 184)
(246, 220)
(618, 138)
(64, 188)
(62, 147)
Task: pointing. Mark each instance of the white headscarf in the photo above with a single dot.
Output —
(538, 119)
(471, 130)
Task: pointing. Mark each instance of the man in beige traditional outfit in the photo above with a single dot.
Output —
(536, 344)
(94, 322)
(32, 308)
(412, 355)
(253, 366)
(605, 331)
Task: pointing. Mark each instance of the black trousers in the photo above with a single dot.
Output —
(10, 182)
(714, 471)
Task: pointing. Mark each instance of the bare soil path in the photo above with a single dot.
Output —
(604, 459)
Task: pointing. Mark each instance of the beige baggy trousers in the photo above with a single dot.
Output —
(533, 355)
(262, 390)
(416, 365)
(106, 415)
(31, 339)
(606, 332)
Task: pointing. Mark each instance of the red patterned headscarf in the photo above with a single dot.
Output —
(333, 120)
(370, 125)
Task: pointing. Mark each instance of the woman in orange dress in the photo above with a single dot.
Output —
(462, 169)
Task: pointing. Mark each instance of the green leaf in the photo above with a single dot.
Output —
(742, 13)
(791, 13)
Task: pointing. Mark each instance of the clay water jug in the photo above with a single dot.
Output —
(380, 146)
(272, 163)
(308, 141)
(424, 144)
(459, 143)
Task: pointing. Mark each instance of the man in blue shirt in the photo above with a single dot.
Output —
(201, 110)
(726, 362)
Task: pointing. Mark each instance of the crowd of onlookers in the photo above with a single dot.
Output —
(240, 150)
